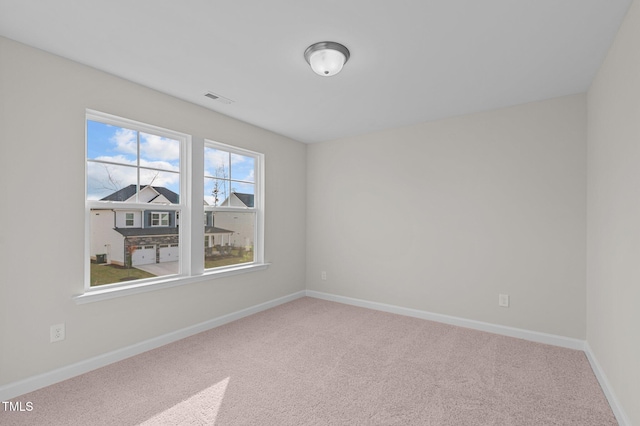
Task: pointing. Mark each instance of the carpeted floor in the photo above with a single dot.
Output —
(313, 362)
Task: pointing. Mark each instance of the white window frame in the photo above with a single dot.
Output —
(191, 242)
(160, 221)
(258, 199)
(126, 219)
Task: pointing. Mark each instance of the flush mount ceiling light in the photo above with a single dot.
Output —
(326, 57)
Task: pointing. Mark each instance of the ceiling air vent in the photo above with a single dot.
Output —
(218, 98)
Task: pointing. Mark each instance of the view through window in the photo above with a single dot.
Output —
(230, 212)
(133, 194)
(139, 204)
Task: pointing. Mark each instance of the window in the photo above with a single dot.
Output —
(159, 219)
(231, 205)
(130, 168)
(139, 203)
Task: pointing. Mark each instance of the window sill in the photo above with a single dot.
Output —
(97, 294)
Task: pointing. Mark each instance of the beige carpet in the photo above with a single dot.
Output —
(313, 362)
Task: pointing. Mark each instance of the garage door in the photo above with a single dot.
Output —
(144, 255)
(169, 252)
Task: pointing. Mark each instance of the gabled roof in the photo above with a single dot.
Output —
(216, 230)
(246, 199)
(164, 230)
(156, 230)
(129, 191)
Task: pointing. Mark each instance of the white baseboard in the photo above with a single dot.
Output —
(616, 407)
(534, 336)
(30, 384)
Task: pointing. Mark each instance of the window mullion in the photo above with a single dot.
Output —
(106, 205)
(138, 164)
(195, 188)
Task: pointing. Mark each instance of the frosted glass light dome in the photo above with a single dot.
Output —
(326, 58)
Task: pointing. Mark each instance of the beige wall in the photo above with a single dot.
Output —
(613, 272)
(444, 216)
(42, 108)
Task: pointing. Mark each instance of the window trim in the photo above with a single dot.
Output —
(160, 224)
(258, 197)
(126, 219)
(142, 286)
(191, 168)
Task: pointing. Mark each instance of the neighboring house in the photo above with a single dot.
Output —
(148, 235)
(238, 199)
(243, 224)
(214, 237)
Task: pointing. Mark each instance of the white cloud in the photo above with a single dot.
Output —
(105, 179)
(155, 178)
(125, 141)
(120, 159)
(159, 165)
(239, 159)
(213, 159)
(155, 147)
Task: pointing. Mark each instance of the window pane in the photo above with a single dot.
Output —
(111, 143)
(126, 254)
(229, 238)
(216, 191)
(216, 163)
(243, 188)
(242, 168)
(165, 187)
(159, 152)
(110, 148)
(110, 182)
(229, 178)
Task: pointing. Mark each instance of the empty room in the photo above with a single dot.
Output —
(336, 213)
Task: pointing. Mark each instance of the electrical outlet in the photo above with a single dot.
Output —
(57, 332)
(323, 275)
(503, 300)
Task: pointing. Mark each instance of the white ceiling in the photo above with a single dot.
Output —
(411, 60)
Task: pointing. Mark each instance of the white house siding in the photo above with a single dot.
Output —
(242, 225)
(233, 201)
(121, 219)
(150, 195)
(104, 240)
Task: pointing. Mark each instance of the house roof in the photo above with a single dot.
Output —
(247, 199)
(216, 230)
(141, 232)
(137, 232)
(129, 191)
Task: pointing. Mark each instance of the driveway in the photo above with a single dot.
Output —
(159, 269)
